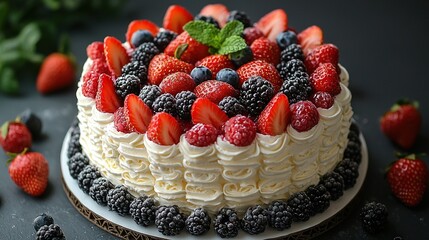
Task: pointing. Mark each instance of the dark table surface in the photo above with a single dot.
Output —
(384, 46)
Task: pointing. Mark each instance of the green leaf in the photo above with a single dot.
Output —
(4, 129)
(203, 32)
(29, 36)
(232, 44)
(234, 28)
(52, 4)
(180, 50)
(8, 82)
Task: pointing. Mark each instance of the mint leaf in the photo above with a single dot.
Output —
(234, 28)
(4, 129)
(180, 50)
(8, 82)
(203, 32)
(232, 44)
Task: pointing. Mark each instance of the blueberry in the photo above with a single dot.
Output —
(229, 76)
(141, 36)
(241, 57)
(42, 220)
(285, 39)
(201, 74)
(33, 122)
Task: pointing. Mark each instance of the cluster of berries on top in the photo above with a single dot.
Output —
(213, 74)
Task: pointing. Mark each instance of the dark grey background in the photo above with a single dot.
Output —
(384, 46)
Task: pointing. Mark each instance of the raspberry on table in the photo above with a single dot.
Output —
(240, 131)
(128, 84)
(227, 223)
(201, 135)
(198, 222)
(255, 220)
(373, 216)
(304, 116)
(149, 93)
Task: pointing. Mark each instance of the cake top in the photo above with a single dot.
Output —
(216, 73)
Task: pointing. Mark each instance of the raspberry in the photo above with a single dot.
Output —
(95, 50)
(120, 122)
(304, 116)
(322, 100)
(325, 79)
(251, 34)
(201, 135)
(240, 130)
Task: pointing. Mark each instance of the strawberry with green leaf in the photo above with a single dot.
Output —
(15, 137)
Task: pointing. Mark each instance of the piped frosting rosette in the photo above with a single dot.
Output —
(344, 76)
(344, 99)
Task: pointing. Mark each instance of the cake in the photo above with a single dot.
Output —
(258, 116)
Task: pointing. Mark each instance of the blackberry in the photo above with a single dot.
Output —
(354, 137)
(319, 197)
(143, 210)
(373, 216)
(184, 101)
(125, 85)
(77, 163)
(50, 232)
(353, 152)
(334, 183)
(42, 220)
(292, 51)
(119, 200)
(255, 220)
(32, 121)
(227, 223)
(165, 103)
(255, 94)
(207, 19)
(137, 69)
(75, 126)
(296, 89)
(145, 52)
(279, 215)
(169, 220)
(99, 189)
(163, 38)
(86, 177)
(300, 207)
(349, 170)
(198, 222)
(294, 67)
(149, 93)
(74, 145)
(232, 107)
(354, 128)
(239, 16)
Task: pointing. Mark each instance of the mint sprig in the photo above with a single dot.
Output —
(224, 41)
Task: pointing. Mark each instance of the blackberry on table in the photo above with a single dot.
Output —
(373, 216)
(42, 220)
(227, 223)
(279, 215)
(296, 89)
(86, 177)
(77, 163)
(169, 220)
(119, 200)
(319, 197)
(239, 16)
(300, 206)
(349, 170)
(232, 107)
(207, 19)
(255, 220)
(353, 152)
(143, 210)
(74, 145)
(198, 222)
(334, 183)
(184, 101)
(292, 51)
(149, 93)
(145, 52)
(32, 121)
(50, 232)
(128, 84)
(165, 103)
(99, 190)
(137, 69)
(255, 94)
(163, 38)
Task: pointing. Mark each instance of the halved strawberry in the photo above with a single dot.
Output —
(207, 112)
(140, 25)
(263, 69)
(273, 23)
(116, 55)
(138, 114)
(106, 99)
(176, 17)
(164, 129)
(214, 90)
(310, 38)
(163, 65)
(218, 11)
(187, 49)
(177, 82)
(215, 63)
(274, 119)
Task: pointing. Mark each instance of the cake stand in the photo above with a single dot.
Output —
(126, 228)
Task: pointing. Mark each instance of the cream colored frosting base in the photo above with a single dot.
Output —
(222, 174)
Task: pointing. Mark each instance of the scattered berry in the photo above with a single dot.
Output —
(119, 200)
(334, 183)
(169, 220)
(255, 220)
(265, 50)
(56, 73)
(300, 207)
(106, 99)
(279, 215)
(325, 79)
(274, 119)
(163, 38)
(116, 55)
(77, 163)
(141, 36)
(214, 90)
(201, 135)
(287, 38)
(184, 102)
(15, 137)
(373, 216)
(349, 170)
(215, 63)
(163, 65)
(144, 53)
(164, 129)
(205, 111)
(326, 53)
(273, 23)
(229, 76)
(262, 69)
(176, 17)
(240, 131)
(322, 100)
(227, 223)
(50, 232)
(304, 116)
(177, 82)
(241, 57)
(255, 94)
(310, 38)
(42, 220)
(165, 103)
(201, 74)
(86, 177)
(198, 222)
(232, 106)
(319, 197)
(142, 210)
(149, 93)
(99, 189)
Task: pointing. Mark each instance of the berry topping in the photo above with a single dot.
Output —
(163, 65)
(149, 93)
(310, 38)
(138, 114)
(215, 63)
(90, 79)
(279, 215)
(201, 135)
(137, 25)
(322, 100)
(265, 50)
(300, 207)
(42, 220)
(141, 36)
(292, 68)
(144, 53)
(163, 38)
(240, 131)
(187, 49)
(86, 177)
(119, 200)
(198, 222)
(177, 82)
(207, 19)
(286, 38)
(214, 90)
(217, 11)
(116, 55)
(251, 34)
(176, 17)
(292, 51)
(120, 121)
(274, 119)
(165, 103)
(304, 116)
(143, 210)
(77, 163)
(239, 16)
(106, 99)
(227, 223)
(262, 69)
(205, 111)
(326, 53)
(319, 197)
(184, 102)
(373, 216)
(128, 84)
(255, 94)
(232, 106)
(229, 76)
(241, 57)
(296, 88)
(95, 50)
(325, 79)
(99, 190)
(169, 220)
(164, 129)
(273, 23)
(255, 220)
(201, 74)
(137, 69)
(15, 137)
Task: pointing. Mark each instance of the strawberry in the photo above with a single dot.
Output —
(310, 38)
(240, 131)
(215, 63)
(176, 17)
(217, 11)
(304, 116)
(263, 69)
(207, 112)
(90, 79)
(266, 50)
(30, 172)
(106, 99)
(251, 34)
(163, 65)
(15, 137)
(407, 178)
(116, 55)
(138, 114)
(177, 82)
(95, 50)
(187, 49)
(325, 79)
(164, 129)
(56, 73)
(120, 121)
(402, 123)
(201, 135)
(136, 25)
(273, 23)
(214, 90)
(274, 119)
(326, 53)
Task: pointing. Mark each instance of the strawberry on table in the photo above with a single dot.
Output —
(106, 99)
(164, 129)
(215, 63)
(266, 50)
(15, 137)
(177, 82)
(310, 38)
(137, 25)
(187, 49)
(274, 119)
(116, 55)
(217, 11)
(163, 65)
(325, 79)
(176, 17)
(263, 69)
(207, 112)
(214, 90)
(56, 73)
(326, 53)
(240, 131)
(137, 113)
(273, 23)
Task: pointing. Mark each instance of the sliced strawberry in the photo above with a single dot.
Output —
(214, 90)
(207, 112)
(138, 114)
(274, 119)
(187, 49)
(106, 99)
(116, 55)
(218, 11)
(177, 82)
(215, 63)
(120, 121)
(310, 38)
(163, 65)
(176, 17)
(273, 23)
(164, 129)
(263, 69)
(136, 25)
